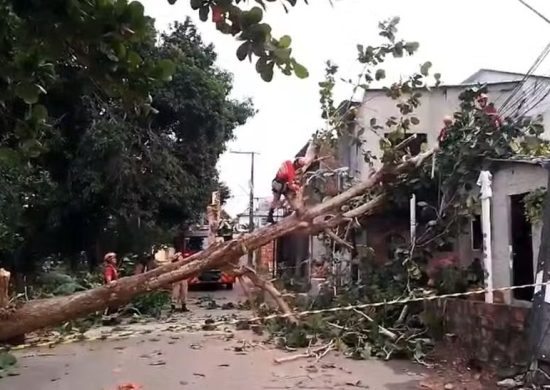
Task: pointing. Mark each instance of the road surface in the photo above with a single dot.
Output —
(177, 359)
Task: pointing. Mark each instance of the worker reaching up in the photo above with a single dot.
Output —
(285, 183)
(489, 110)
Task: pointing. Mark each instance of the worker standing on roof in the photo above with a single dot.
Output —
(489, 109)
(285, 183)
(444, 132)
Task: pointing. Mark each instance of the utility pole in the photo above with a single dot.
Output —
(540, 311)
(251, 200)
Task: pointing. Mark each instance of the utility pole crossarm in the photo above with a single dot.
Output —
(251, 201)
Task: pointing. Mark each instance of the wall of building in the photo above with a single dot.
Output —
(490, 333)
(511, 179)
(435, 105)
(465, 250)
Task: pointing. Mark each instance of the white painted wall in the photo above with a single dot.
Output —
(511, 179)
(439, 102)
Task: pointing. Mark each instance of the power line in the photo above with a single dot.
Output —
(507, 102)
(531, 70)
(535, 11)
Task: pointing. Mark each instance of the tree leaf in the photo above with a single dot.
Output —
(267, 72)
(255, 15)
(283, 54)
(134, 59)
(203, 13)
(195, 4)
(136, 10)
(414, 120)
(425, 68)
(29, 92)
(167, 69)
(243, 50)
(380, 74)
(285, 41)
(39, 113)
(300, 71)
(32, 147)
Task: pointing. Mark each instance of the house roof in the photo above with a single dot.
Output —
(473, 80)
(522, 160)
(474, 77)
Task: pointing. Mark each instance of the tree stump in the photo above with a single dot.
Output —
(4, 288)
(5, 301)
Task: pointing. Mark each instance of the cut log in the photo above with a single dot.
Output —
(52, 311)
(4, 288)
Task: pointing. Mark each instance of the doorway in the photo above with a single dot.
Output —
(522, 249)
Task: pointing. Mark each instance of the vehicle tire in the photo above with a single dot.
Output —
(229, 286)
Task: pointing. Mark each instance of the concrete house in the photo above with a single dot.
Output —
(515, 240)
(513, 256)
(510, 93)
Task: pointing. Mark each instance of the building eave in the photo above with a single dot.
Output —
(471, 78)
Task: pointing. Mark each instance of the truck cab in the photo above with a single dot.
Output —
(196, 241)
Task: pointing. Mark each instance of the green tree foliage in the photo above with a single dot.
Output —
(225, 193)
(255, 35)
(118, 161)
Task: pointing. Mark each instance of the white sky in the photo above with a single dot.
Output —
(458, 37)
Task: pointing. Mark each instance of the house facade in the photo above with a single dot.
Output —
(515, 241)
(511, 94)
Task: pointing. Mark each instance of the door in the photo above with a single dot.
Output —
(522, 249)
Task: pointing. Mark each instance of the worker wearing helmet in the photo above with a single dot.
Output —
(285, 183)
(110, 271)
(447, 123)
(489, 110)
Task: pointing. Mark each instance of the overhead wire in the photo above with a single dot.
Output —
(514, 102)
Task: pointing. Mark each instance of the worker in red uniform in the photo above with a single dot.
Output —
(110, 274)
(110, 270)
(447, 123)
(489, 110)
(285, 183)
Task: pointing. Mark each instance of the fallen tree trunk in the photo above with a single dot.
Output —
(4, 288)
(42, 313)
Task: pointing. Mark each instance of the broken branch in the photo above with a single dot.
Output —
(383, 330)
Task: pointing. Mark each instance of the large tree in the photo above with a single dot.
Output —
(118, 169)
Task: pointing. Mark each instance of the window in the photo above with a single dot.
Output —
(476, 233)
(415, 146)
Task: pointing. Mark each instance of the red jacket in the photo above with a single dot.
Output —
(110, 273)
(286, 173)
(492, 112)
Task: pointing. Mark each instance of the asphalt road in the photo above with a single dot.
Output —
(178, 359)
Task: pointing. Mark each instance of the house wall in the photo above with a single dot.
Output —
(491, 333)
(465, 250)
(511, 179)
(436, 104)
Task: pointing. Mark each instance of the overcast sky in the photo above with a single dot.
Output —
(458, 37)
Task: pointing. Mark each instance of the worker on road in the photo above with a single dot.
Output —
(285, 183)
(110, 275)
(110, 270)
(180, 289)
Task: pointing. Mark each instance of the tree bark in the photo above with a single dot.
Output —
(4, 288)
(48, 312)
